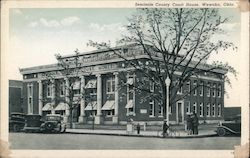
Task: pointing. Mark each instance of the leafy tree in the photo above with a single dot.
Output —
(175, 41)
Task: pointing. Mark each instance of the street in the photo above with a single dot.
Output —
(83, 141)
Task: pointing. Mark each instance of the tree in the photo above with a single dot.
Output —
(175, 41)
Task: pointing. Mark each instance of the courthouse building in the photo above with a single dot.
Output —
(105, 103)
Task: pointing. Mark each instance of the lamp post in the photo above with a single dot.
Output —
(167, 81)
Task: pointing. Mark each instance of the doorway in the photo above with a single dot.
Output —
(180, 112)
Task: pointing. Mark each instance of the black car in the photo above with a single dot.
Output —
(53, 124)
(33, 123)
(230, 126)
(16, 122)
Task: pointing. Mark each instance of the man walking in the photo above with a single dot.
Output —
(195, 123)
(165, 128)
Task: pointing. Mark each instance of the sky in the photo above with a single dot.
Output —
(36, 35)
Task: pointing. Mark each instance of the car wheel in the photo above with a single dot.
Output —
(221, 131)
(49, 126)
(16, 128)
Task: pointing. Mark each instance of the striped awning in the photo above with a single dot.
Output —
(91, 106)
(109, 105)
(91, 84)
(129, 104)
(77, 85)
(47, 107)
(62, 106)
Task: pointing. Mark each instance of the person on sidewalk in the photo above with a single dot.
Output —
(195, 123)
(138, 128)
(164, 128)
(189, 124)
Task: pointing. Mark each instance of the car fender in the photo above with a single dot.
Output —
(228, 129)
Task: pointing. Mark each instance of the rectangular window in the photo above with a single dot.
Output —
(92, 91)
(188, 108)
(201, 110)
(219, 90)
(110, 85)
(110, 112)
(208, 90)
(130, 88)
(160, 113)
(213, 110)
(201, 89)
(188, 87)
(214, 90)
(30, 98)
(195, 107)
(151, 108)
(195, 88)
(49, 90)
(62, 88)
(151, 86)
(219, 110)
(208, 109)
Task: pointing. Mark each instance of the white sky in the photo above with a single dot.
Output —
(36, 35)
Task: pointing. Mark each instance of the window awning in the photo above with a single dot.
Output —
(47, 107)
(109, 105)
(62, 106)
(91, 106)
(77, 85)
(91, 84)
(129, 104)
(130, 81)
(76, 99)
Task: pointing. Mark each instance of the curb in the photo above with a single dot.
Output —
(148, 136)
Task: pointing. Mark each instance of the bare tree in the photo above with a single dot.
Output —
(175, 41)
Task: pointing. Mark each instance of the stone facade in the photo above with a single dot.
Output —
(99, 98)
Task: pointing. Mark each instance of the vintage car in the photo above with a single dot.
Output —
(53, 123)
(229, 127)
(16, 121)
(33, 123)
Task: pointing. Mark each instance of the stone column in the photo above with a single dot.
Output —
(67, 86)
(115, 117)
(82, 118)
(98, 117)
(40, 97)
(53, 98)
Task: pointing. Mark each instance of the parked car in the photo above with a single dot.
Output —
(229, 127)
(53, 123)
(16, 121)
(33, 123)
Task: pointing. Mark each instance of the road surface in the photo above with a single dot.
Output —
(102, 142)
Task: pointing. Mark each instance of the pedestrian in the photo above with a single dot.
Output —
(195, 123)
(164, 128)
(189, 125)
(138, 128)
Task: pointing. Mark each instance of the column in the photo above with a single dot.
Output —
(115, 117)
(67, 86)
(40, 97)
(98, 117)
(53, 98)
(82, 118)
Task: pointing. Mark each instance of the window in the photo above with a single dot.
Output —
(49, 90)
(201, 110)
(76, 91)
(110, 112)
(151, 108)
(151, 86)
(208, 109)
(208, 90)
(130, 88)
(160, 112)
(214, 90)
(92, 91)
(219, 90)
(188, 87)
(201, 89)
(30, 98)
(195, 88)
(188, 108)
(219, 110)
(195, 107)
(62, 88)
(110, 85)
(179, 90)
(213, 110)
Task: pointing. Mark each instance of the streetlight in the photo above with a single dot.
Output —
(167, 81)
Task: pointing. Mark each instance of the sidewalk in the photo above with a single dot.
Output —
(179, 134)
